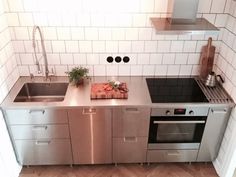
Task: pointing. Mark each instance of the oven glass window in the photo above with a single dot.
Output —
(167, 133)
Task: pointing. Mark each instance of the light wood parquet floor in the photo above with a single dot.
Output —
(127, 170)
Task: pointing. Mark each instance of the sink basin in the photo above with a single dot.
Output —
(42, 92)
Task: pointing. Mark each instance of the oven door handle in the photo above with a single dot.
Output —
(180, 122)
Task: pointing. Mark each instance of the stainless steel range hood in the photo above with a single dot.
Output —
(181, 19)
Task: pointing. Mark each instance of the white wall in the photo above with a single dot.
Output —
(226, 66)
(85, 32)
(8, 76)
(8, 65)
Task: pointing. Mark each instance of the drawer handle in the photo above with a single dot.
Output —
(130, 139)
(89, 111)
(40, 127)
(180, 122)
(38, 143)
(132, 110)
(219, 111)
(173, 153)
(37, 111)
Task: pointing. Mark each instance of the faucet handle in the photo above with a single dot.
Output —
(31, 76)
(52, 73)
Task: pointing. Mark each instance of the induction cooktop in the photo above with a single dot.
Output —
(175, 90)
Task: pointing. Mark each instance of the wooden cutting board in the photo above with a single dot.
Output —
(98, 91)
(207, 59)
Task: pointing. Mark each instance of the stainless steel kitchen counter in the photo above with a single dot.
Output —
(80, 97)
(138, 95)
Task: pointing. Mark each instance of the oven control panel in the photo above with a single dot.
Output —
(190, 111)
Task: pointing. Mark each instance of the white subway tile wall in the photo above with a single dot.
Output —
(8, 64)
(226, 66)
(87, 34)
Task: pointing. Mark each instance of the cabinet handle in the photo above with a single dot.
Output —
(132, 110)
(89, 111)
(42, 143)
(179, 122)
(37, 111)
(173, 153)
(130, 139)
(40, 127)
(219, 111)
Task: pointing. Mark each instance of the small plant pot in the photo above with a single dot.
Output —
(79, 82)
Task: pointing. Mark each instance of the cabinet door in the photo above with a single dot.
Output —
(91, 135)
(130, 122)
(213, 133)
(129, 150)
(36, 116)
(44, 152)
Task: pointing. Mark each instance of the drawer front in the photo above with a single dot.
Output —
(172, 155)
(36, 116)
(129, 150)
(40, 131)
(130, 121)
(44, 152)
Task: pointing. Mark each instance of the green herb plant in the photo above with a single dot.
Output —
(77, 75)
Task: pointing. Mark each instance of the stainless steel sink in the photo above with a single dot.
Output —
(42, 92)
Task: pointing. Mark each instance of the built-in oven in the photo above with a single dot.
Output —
(177, 128)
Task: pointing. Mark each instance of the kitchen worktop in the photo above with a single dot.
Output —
(138, 95)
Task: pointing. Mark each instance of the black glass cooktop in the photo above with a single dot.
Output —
(175, 90)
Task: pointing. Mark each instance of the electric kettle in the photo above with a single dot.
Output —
(211, 80)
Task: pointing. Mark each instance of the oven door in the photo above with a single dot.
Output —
(175, 132)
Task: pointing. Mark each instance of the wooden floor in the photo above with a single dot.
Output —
(133, 170)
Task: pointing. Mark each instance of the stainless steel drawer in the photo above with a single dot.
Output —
(40, 131)
(44, 152)
(172, 155)
(36, 116)
(129, 150)
(130, 121)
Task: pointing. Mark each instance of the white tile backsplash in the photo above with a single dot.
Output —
(85, 46)
(58, 46)
(86, 33)
(190, 46)
(168, 59)
(173, 70)
(177, 46)
(98, 32)
(124, 70)
(80, 59)
(72, 46)
(164, 46)
(161, 70)
(136, 70)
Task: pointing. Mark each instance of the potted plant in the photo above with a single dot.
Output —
(77, 75)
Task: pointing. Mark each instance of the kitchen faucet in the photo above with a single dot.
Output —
(43, 51)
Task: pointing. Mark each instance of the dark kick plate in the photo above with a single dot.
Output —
(175, 90)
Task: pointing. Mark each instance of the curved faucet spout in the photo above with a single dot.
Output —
(43, 51)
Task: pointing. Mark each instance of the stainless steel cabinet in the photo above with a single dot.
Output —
(131, 122)
(130, 134)
(213, 133)
(91, 135)
(44, 152)
(40, 136)
(40, 131)
(36, 116)
(172, 155)
(129, 149)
